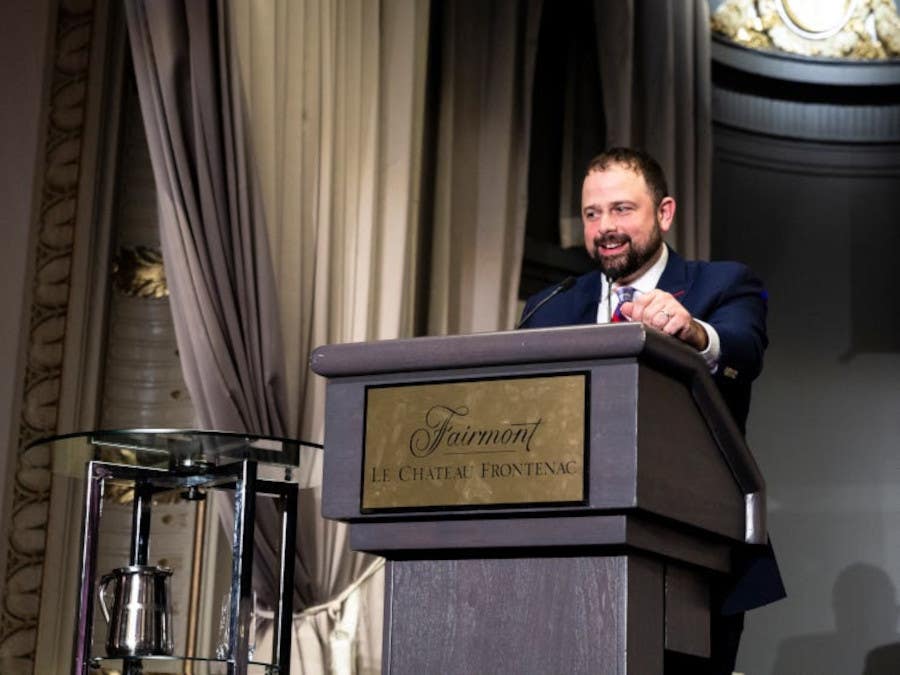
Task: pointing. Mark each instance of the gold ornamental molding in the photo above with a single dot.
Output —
(849, 29)
(138, 272)
(64, 127)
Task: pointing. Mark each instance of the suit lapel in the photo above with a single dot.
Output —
(675, 278)
(587, 299)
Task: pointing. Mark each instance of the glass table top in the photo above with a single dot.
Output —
(173, 449)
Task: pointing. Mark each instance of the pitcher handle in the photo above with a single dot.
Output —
(101, 590)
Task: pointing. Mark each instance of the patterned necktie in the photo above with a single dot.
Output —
(626, 294)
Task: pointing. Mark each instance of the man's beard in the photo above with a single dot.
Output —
(632, 260)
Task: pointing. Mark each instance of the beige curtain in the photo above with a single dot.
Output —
(489, 48)
(335, 91)
(655, 70)
(216, 256)
(335, 94)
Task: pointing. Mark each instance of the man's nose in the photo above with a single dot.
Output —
(604, 224)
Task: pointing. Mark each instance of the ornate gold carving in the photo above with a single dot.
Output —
(887, 25)
(47, 326)
(852, 29)
(139, 272)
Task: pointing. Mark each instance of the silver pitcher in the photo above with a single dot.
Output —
(141, 619)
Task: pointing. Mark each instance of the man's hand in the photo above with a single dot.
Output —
(663, 312)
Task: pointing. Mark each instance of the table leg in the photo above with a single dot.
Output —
(93, 497)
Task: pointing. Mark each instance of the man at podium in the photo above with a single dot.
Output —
(718, 308)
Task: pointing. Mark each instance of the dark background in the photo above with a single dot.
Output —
(806, 178)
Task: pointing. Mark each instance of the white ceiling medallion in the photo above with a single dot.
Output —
(815, 19)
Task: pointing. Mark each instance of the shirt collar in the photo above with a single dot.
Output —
(644, 283)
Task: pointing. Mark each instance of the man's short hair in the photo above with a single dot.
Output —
(639, 162)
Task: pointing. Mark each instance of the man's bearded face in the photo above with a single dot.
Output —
(635, 256)
(623, 227)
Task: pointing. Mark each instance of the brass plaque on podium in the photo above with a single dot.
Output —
(510, 441)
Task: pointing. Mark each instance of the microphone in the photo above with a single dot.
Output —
(564, 285)
(610, 280)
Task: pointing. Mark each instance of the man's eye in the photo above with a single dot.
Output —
(590, 215)
(622, 208)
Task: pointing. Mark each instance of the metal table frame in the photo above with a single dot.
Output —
(241, 476)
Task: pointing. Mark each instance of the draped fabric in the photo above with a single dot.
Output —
(334, 97)
(480, 187)
(654, 58)
(214, 242)
(217, 260)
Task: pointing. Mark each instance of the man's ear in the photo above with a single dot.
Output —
(665, 213)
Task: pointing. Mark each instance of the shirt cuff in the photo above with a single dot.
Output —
(713, 347)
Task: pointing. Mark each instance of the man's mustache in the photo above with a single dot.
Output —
(611, 239)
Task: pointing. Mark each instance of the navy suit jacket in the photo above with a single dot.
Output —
(732, 300)
(725, 295)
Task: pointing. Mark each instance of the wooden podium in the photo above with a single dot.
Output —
(588, 546)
